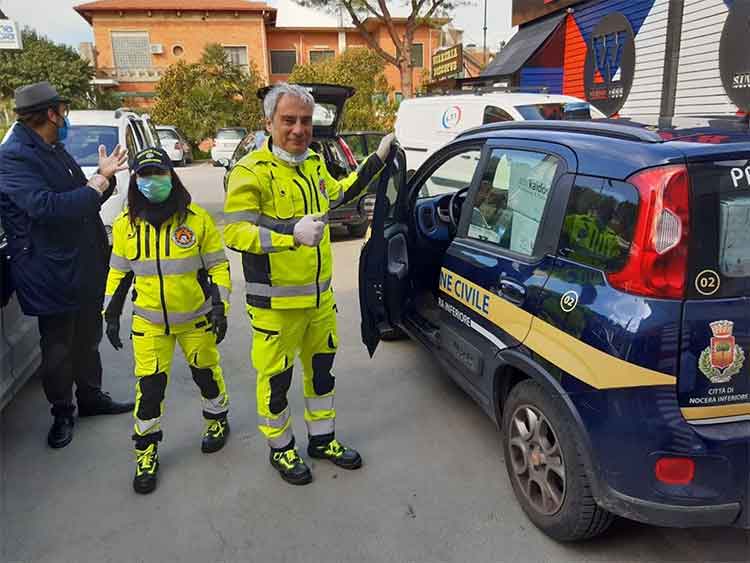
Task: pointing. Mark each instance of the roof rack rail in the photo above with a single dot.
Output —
(608, 129)
(120, 111)
(480, 90)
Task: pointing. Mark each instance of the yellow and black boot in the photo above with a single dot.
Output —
(215, 435)
(328, 447)
(146, 463)
(290, 465)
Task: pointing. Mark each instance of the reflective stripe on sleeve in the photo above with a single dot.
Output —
(119, 263)
(224, 292)
(213, 258)
(281, 226)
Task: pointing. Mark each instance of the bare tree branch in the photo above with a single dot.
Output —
(388, 21)
(371, 41)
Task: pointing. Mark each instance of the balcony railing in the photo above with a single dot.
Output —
(146, 74)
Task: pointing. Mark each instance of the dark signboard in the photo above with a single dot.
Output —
(734, 60)
(610, 63)
(529, 10)
(448, 63)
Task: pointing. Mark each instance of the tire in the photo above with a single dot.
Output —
(358, 231)
(563, 506)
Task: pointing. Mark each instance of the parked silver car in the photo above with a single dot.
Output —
(19, 344)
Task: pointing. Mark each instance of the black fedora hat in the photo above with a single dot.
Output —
(38, 96)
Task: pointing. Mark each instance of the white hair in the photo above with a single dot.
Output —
(271, 100)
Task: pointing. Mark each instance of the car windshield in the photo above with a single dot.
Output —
(230, 134)
(168, 135)
(556, 111)
(83, 142)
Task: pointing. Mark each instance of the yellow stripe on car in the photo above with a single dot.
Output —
(584, 362)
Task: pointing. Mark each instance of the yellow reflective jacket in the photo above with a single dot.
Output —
(178, 270)
(265, 199)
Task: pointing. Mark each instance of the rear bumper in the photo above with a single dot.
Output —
(671, 515)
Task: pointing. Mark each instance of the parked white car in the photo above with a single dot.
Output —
(91, 128)
(425, 124)
(176, 144)
(19, 337)
(226, 142)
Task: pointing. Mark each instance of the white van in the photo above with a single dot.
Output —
(425, 124)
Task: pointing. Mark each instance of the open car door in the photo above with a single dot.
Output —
(384, 275)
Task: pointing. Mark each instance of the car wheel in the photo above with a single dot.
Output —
(546, 468)
(358, 231)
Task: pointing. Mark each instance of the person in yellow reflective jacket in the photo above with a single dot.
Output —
(171, 252)
(277, 200)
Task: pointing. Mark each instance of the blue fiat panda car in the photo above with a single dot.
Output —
(588, 284)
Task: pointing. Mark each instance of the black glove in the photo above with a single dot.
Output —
(218, 320)
(113, 333)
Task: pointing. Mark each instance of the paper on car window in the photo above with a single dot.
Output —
(527, 198)
(734, 243)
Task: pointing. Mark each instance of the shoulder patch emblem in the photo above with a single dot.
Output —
(322, 188)
(183, 237)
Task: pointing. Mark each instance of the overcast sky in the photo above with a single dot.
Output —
(57, 20)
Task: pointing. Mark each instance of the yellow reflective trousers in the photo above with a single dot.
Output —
(278, 336)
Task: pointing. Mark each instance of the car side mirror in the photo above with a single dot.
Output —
(223, 162)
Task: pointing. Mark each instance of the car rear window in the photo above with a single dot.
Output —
(720, 229)
(556, 111)
(599, 223)
(230, 134)
(167, 135)
(83, 142)
(324, 115)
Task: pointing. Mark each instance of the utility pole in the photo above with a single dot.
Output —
(485, 33)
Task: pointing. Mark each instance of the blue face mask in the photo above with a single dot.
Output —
(62, 132)
(156, 189)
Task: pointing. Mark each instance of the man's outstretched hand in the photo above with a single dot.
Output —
(109, 165)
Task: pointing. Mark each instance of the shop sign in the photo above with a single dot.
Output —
(448, 63)
(610, 63)
(10, 35)
(734, 61)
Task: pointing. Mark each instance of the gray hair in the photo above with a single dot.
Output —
(274, 95)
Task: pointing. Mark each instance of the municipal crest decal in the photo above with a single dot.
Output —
(322, 188)
(183, 237)
(723, 358)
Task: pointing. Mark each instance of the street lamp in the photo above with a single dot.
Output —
(485, 32)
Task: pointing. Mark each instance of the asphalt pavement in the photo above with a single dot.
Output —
(433, 487)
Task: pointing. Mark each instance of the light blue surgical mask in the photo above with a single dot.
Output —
(62, 132)
(156, 189)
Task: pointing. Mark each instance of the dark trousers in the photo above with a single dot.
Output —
(70, 354)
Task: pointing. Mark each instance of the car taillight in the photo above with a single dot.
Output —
(675, 470)
(348, 153)
(657, 265)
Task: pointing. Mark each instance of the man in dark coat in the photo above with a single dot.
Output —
(58, 252)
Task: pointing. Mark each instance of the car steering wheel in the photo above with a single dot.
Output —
(452, 204)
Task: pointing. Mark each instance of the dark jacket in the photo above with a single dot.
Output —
(56, 240)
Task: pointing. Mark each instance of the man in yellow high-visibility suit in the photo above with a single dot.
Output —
(277, 200)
